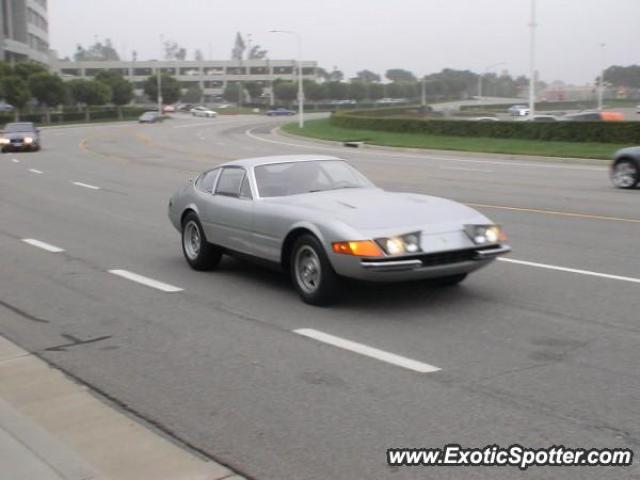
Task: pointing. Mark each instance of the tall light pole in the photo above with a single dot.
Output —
(299, 62)
(159, 80)
(486, 70)
(601, 83)
(532, 61)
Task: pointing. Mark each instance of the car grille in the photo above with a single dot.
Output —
(440, 258)
(16, 140)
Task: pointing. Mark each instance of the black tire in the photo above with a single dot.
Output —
(450, 281)
(199, 254)
(312, 275)
(625, 174)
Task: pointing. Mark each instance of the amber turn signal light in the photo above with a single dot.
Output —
(360, 248)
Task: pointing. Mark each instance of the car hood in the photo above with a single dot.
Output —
(378, 210)
(18, 135)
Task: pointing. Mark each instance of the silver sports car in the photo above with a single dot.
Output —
(321, 220)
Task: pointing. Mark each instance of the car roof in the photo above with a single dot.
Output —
(256, 161)
(25, 124)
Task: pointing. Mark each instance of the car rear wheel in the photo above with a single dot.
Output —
(312, 274)
(200, 254)
(625, 174)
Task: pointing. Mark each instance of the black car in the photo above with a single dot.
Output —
(625, 169)
(20, 136)
(150, 117)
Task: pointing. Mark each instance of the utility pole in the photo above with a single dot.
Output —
(424, 93)
(601, 83)
(299, 66)
(532, 62)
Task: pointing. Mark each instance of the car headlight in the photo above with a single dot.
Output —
(28, 140)
(485, 234)
(400, 245)
(4, 141)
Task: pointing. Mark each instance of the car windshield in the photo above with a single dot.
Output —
(293, 178)
(19, 127)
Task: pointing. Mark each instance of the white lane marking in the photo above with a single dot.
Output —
(571, 270)
(45, 246)
(193, 125)
(33, 170)
(367, 351)
(466, 169)
(514, 163)
(86, 185)
(15, 160)
(149, 282)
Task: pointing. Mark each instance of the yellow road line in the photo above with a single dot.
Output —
(554, 212)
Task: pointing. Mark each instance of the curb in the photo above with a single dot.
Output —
(458, 153)
(56, 424)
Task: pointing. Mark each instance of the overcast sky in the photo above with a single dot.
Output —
(423, 36)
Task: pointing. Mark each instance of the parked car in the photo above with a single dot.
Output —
(485, 119)
(625, 168)
(6, 107)
(593, 117)
(150, 117)
(203, 112)
(276, 112)
(519, 110)
(321, 220)
(168, 109)
(20, 136)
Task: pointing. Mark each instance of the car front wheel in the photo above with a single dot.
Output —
(625, 174)
(312, 274)
(200, 254)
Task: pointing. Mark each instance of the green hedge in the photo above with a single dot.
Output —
(602, 132)
(74, 115)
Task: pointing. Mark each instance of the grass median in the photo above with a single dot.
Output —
(322, 129)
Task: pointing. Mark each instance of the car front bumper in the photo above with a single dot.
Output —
(431, 265)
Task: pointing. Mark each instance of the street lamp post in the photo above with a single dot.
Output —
(532, 62)
(159, 90)
(601, 83)
(486, 70)
(300, 87)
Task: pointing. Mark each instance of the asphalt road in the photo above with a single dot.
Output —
(529, 354)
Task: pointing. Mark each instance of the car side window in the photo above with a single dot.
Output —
(245, 188)
(207, 180)
(230, 180)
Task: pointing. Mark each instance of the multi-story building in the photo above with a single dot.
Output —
(24, 31)
(211, 77)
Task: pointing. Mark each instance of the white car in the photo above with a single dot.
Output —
(519, 111)
(203, 112)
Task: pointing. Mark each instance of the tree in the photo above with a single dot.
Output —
(619, 76)
(16, 92)
(285, 91)
(173, 51)
(375, 91)
(367, 76)
(337, 90)
(233, 92)
(238, 48)
(25, 70)
(254, 89)
(198, 56)
(89, 93)
(121, 88)
(193, 94)
(170, 88)
(335, 75)
(357, 90)
(5, 69)
(257, 53)
(97, 52)
(315, 91)
(48, 89)
(400, 75)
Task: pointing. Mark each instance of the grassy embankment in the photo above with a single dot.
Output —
(322, 129)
